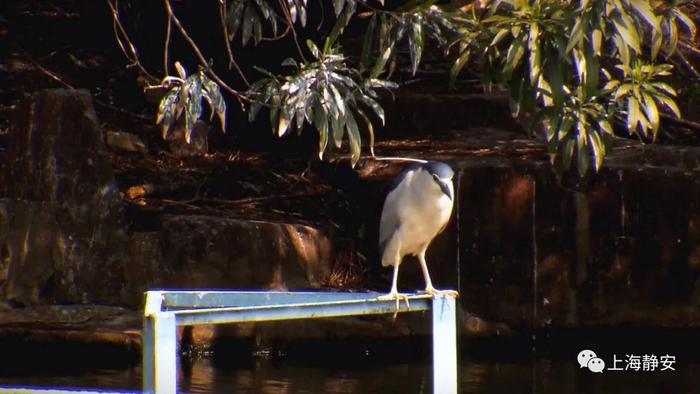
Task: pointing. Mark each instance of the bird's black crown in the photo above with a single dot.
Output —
(438, 168)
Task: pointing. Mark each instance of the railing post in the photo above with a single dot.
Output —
(160, 353)
(444, 345)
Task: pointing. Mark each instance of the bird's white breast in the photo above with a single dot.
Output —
(423, 214)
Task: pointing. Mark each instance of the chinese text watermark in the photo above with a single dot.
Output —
(630, 362)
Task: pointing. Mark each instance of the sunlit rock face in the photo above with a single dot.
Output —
(199, 251)
(62, 214)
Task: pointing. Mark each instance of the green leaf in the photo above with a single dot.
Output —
(632, 114)
(338, 127)
(340, 24)
(458, 65)
(622, 91)
(643, 8)
(515, 53)
(622, 49)
(535, 64)
(556, 81)
(605, 126)
(415, 44)
(596, 40)
(583, 157)
(685, 19)
(597, 149)
(374, 105)
(611, 85)
(257, 31)
(338, 6)
(499, 36)
(592, 74)
(234, 17)
(381, 63)
(181, 70)
(656, 41)
(166, 110)
(626, 29)
(249, 18)
(314, 49)
(576, 34)
(370, 130)
(353, 137)
(338, 100)
(672, 35)
(321, 124)
(367, 42)
(651, 111)
(670, 104)
(216, 101)
(284, 120)
(568, 152)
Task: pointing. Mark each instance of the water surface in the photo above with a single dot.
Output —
(283, 377)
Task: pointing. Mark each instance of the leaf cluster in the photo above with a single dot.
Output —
(184, 100)
(580, 66)
(326, 93)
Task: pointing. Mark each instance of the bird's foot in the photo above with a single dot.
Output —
(394, 295)
(441, 293)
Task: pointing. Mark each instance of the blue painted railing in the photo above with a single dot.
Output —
(165, 310)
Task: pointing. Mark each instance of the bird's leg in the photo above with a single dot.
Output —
(429, 289)
(394, 293)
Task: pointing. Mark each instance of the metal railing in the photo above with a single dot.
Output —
(166, 310)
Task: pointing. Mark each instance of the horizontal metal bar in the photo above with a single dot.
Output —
(48, 390)
(299, 311)
(213, 299)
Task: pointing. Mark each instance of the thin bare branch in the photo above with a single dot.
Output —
(120, 34)
(229, 52)
(691, 49)
(224, 27)
(198, 52)
(687, 65)
(45, 70)
(290, 24)
(681, 122)
(166, 48)
(278, 37)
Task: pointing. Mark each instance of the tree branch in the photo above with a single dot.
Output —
(290, 24)
(229, 52)
(202, 60)
(131, 54)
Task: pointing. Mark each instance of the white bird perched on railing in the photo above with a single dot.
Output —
(417, 208)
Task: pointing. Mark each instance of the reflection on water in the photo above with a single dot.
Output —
(274, 377)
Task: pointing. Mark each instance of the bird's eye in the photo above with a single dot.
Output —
(436, 178)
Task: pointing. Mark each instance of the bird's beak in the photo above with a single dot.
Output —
(446, 189)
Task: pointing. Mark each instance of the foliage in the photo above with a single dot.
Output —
(326, 93)
(554, 58)
(587, 69)
(248, 16)
(184, 99)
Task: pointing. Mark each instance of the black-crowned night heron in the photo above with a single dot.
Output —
(416, 210)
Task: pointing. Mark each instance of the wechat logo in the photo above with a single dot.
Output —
(588, 359)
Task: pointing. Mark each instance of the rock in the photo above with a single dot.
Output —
(74, 323)
(64, 230)
(205, 251)
(199, 142)
(125, 142)
(143, 269)
(443, 112)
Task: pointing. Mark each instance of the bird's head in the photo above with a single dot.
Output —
(442, 176)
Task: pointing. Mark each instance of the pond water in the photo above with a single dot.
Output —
(282, 377)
